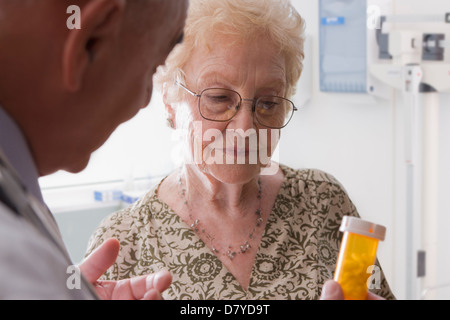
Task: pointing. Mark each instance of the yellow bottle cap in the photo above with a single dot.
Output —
(365, 228)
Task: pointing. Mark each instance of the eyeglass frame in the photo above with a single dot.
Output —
(254, 101)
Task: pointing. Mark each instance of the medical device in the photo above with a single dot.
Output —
(412, 58)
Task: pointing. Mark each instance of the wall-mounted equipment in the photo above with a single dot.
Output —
(343, 52)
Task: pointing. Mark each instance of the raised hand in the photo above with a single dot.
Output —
(147, 287)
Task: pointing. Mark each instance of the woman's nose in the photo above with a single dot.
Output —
(244, 119)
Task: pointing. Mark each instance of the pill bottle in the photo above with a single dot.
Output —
(357, 255)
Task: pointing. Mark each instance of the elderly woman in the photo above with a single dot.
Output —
(230, 224)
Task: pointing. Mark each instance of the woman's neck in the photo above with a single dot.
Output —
(232, 199)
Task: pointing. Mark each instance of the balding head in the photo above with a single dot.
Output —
(69, 89)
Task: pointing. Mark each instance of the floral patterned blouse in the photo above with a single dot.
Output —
(297, 254)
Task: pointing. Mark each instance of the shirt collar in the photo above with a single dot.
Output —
(15, 148)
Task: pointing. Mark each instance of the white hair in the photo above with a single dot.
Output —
(275, 19)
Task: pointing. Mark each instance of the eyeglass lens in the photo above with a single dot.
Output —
(223, 105)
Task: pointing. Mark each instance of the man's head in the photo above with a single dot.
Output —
(69, 89)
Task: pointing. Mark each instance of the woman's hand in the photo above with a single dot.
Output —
(332, 290)
(148, 287)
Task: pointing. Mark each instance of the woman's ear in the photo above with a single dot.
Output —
(101, 21)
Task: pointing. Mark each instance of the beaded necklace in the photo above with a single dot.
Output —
(199, 229)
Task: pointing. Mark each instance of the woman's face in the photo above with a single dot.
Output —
(236, 150)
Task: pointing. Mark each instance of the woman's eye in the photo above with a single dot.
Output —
(269, 104)
(220, 98)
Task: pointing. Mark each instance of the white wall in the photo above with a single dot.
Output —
(444, 198)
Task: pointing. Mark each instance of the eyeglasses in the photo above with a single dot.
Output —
(221, 105)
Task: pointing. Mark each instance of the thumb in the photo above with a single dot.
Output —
(332, 290)
(100, 260)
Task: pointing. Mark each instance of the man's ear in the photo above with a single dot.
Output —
(100, 25)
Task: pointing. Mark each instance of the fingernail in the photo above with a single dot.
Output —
(331, 291)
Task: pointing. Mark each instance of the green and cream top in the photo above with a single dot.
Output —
(297, 254)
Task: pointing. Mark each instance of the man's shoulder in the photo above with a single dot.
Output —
(32, 266)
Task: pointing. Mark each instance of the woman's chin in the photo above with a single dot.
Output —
(234, 173)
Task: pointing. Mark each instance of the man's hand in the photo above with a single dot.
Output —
(148, 287)
(331, 290)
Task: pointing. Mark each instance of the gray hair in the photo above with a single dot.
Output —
(275, 19)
